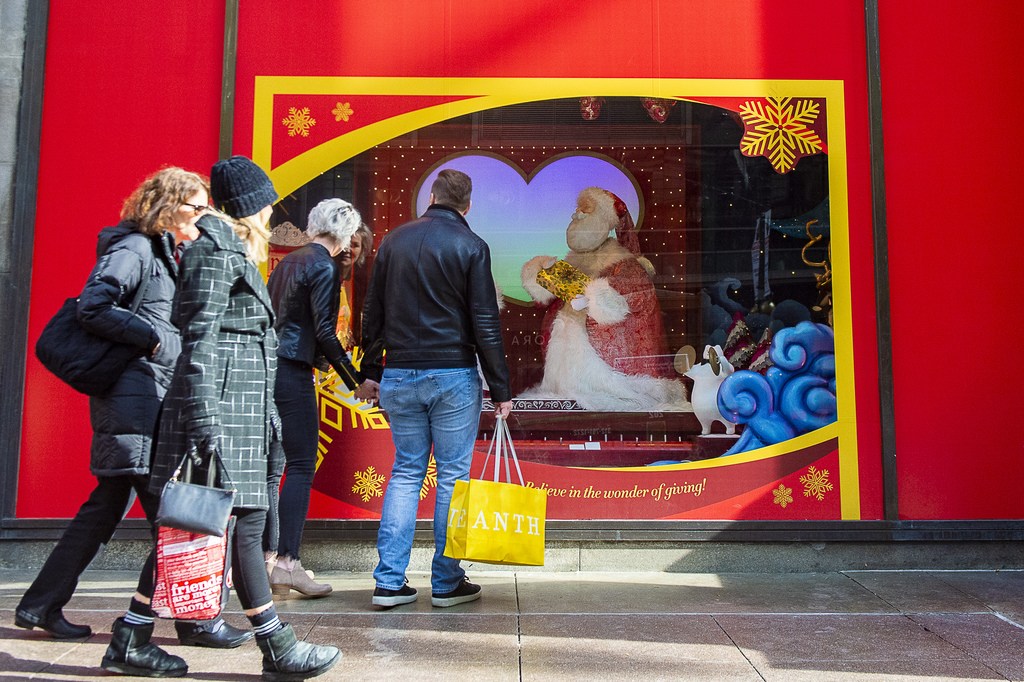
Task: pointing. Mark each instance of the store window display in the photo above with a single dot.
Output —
(692, 244)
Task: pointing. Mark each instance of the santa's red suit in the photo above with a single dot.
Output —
(610, 354)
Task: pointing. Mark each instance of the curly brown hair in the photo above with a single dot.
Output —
(153, 203)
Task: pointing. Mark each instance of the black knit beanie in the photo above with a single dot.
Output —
(240, 188)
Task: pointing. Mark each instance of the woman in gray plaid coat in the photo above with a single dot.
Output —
(220, 406)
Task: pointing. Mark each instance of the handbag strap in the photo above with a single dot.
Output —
(147, 265)
(504, 450)
(140, 293)
(186, 465)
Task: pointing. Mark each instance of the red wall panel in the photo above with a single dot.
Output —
(951, 94)
(127, 90)
(756, 39)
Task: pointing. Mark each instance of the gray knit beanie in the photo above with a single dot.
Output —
(240, 188)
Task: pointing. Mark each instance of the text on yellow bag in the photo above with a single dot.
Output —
(495, 522)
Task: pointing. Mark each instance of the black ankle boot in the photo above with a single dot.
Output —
(216, 634)
(288, 658)
(131, 653)
(55, 624)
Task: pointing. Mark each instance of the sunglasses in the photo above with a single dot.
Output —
(196, 208)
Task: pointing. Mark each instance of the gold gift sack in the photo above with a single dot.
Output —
(494, 522)
(563, 280)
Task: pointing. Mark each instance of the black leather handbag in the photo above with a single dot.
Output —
(203, 509)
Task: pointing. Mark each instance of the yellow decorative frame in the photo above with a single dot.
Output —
(491, 93)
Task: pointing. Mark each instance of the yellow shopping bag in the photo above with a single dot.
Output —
(495, 522)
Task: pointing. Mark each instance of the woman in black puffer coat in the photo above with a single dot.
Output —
(121, 443)
(138, 252)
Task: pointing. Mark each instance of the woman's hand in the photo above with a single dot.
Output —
(368, 391)
(204, 442)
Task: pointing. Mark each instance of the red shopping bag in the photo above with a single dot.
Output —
(192, 573)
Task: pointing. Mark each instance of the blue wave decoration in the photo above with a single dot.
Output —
(797, 395)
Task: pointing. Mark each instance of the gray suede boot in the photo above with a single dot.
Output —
(287, 658)
(131, 653)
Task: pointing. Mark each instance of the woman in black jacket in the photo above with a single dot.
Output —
(219, 407)
(304, 289)
(137, 253)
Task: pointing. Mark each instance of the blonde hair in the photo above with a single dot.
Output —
(256, 237)
(366, 242)
(153, 203)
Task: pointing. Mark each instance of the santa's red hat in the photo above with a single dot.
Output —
(625, 231)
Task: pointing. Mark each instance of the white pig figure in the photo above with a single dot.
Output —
(707, 378)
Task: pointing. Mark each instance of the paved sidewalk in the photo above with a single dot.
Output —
(856, 625)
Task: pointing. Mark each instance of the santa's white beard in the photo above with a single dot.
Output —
(574, 370)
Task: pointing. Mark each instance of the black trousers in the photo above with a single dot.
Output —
(295, 396)
(93, 526)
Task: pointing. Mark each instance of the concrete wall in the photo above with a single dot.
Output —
(360, 555)
(12, 52)
(17, 185)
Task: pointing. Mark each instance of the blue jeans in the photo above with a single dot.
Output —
(435, 409)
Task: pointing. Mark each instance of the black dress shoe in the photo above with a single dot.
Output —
(216, 634)
(55, 624)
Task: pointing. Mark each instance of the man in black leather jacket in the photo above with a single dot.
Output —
(432, 306)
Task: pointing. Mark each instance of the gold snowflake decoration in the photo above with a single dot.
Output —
(816, 483)
(368, 484)
(342, 112)
(298, 121)
(430, 480)
(323, 440)
(783, 496)
(338, 405)
(779, 128)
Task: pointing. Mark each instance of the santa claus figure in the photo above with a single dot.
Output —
(604, 346)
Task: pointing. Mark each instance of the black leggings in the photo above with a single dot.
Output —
(247, 568)
(295, 396)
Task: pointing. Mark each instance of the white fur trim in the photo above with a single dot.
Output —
(500, 295)
(647, 265)
(574, 370)
(607, 306)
